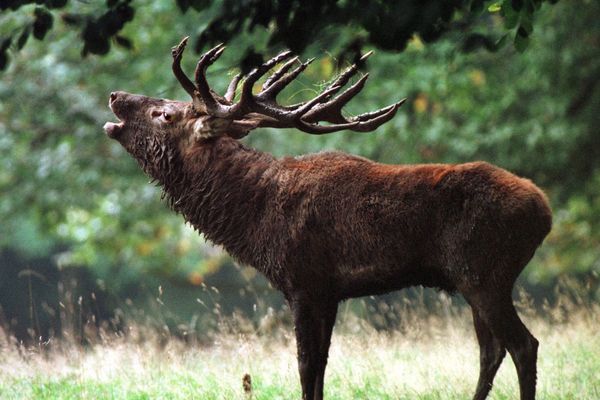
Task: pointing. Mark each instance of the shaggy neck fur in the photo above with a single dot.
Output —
(221, 188)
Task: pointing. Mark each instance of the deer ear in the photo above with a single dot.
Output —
(202, 129)
(206, 127)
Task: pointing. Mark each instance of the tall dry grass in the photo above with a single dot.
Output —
(433, 355)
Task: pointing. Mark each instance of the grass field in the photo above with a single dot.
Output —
(436, 359)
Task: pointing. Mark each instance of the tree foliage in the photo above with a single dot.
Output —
(71, 194)
(294, 24)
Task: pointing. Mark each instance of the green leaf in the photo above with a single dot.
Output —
(23, 38)
(43, 22)
(123, 42)
(476, 6)
(183, 5)
(5, 44)
(526, 24)
(72, 19)
(511, 17)
(522, 32)
(521, 42)
(56, 3)
(495, 7)
(3, 60)
(500, 43)
(517, 5)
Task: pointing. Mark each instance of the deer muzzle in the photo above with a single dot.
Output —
(113, 129)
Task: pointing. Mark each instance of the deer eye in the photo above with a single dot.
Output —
(163, 116)
(167, 116)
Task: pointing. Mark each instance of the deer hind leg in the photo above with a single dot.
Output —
(491, 354)
(325, 326)
(523, 350)
(313, 324)
(499, 314)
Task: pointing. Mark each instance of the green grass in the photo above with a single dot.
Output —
(438, 359)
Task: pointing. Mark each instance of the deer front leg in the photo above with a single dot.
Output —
(313, 325)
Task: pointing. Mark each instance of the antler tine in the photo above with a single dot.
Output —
(279, 73)
(364, 57)
(177, 53)
(305, 107)
(202, 88)
(374, 114)
(271, 63)
(315, 129)
(260, 71)
(332, 110)
(345, 76)
(362, 123)
(276, 87)
(286, 116)
(208, 59)
(340, 81)
(371, 121)
(230, 94)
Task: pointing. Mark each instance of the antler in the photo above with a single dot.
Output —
(262, 109)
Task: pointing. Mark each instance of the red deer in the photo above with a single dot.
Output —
(331, 226)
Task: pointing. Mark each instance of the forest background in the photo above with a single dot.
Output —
(86, 242)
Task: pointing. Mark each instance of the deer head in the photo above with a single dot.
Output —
(152, 128)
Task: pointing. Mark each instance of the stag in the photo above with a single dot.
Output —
(331, 226)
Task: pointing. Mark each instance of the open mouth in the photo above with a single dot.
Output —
(113, 129)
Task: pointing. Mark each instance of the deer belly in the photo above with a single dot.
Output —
(357, 281)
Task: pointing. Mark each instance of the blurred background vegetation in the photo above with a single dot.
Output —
(85, 240)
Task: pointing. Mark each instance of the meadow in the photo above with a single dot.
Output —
(436, 357)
